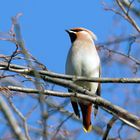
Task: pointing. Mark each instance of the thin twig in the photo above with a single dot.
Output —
(130, 46)
(122, 54)
(22, 118)
(119, 130)
(129, 18)
(12, 56)
(109, 126)
(115, 110)
(129, 6)
(37, 83)
(118, 40)
(10, 118)
(133, 9)
(47, 74)
(60, 125)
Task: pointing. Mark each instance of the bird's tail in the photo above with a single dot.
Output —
(86, 113)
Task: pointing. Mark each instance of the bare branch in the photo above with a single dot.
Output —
(36, 82)
(115, 110)
(128, 17)
(129, 5)
(60, 125)
(22, 118)
(109, 126)
(118, 40)
(46, 74)
(136, 61)
(10, 118)
(12, 56)
(39, 78)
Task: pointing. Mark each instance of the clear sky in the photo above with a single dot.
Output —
(44, 22)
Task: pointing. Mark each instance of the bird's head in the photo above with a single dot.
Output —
(81, 34)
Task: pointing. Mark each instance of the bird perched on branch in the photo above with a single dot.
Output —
(83, 60)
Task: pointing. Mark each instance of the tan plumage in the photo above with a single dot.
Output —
(83, 60)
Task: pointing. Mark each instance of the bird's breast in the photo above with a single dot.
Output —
(82, 61)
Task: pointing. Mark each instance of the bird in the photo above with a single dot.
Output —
(83, 60)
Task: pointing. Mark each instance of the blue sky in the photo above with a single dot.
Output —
(43, 24)
(43, 27)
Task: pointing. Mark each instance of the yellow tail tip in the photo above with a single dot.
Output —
(87, 130)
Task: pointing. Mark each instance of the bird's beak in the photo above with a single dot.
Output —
(67, 31)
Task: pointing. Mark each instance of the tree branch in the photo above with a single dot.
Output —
(118, 40)
(22, 118)
(128, 17)
(109, 126)
(10, 118)
(30, 72)
(133, 9)
(115, 110)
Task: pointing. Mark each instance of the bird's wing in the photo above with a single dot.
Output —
(99, 85)
(75, 106)
(98, 92)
